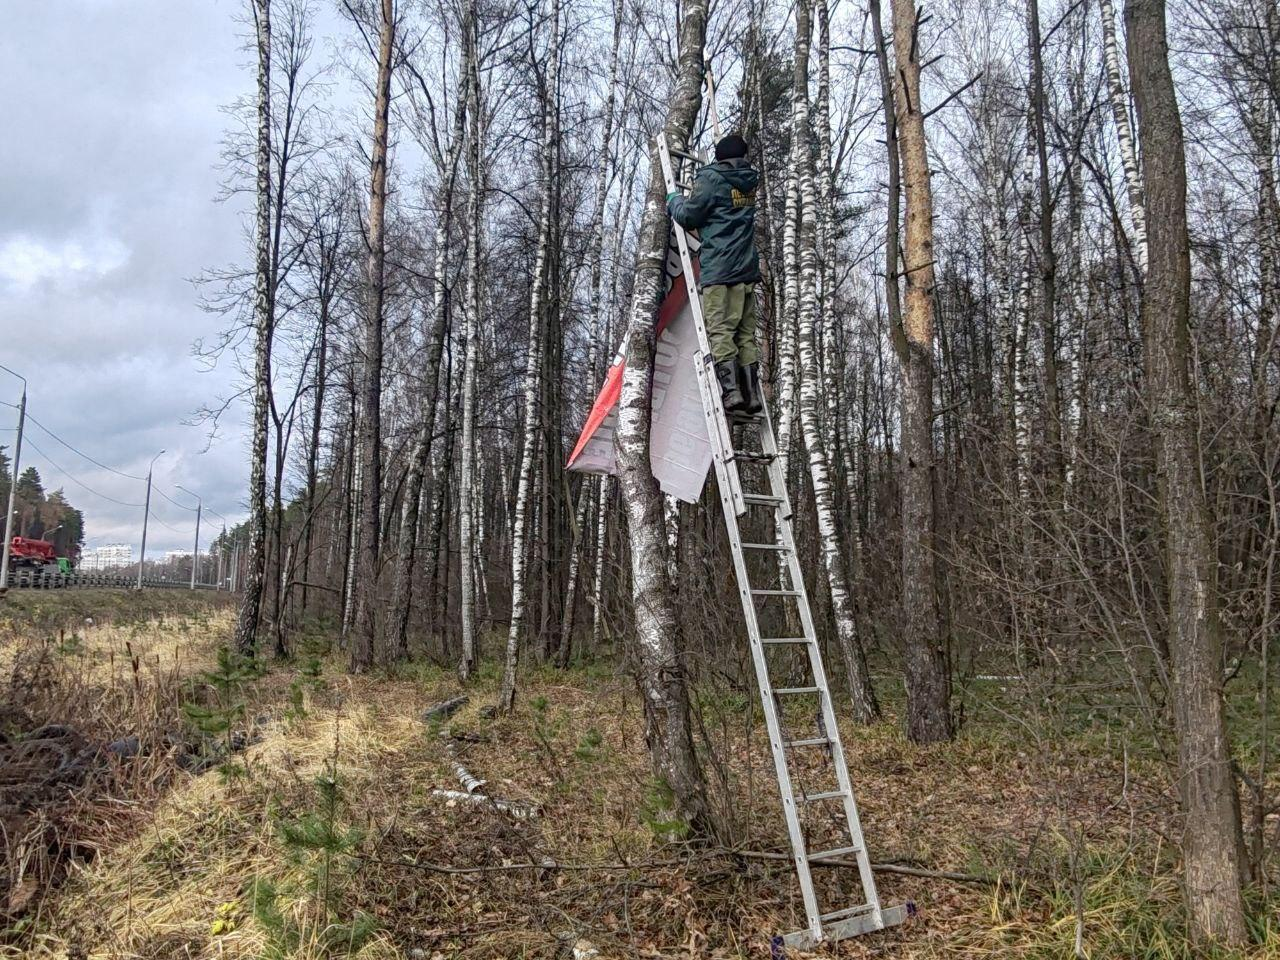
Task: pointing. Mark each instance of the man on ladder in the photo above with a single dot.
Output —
(722, 207)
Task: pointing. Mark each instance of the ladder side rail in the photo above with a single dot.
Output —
(773, 725)
(787, 537)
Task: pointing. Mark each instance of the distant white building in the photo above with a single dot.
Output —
(107, 557)
(172, 556)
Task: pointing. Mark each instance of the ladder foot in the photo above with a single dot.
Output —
(852, 927)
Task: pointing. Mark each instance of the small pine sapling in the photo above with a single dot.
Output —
(217, 719)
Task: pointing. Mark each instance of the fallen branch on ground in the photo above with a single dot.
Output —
(877, 867)
(470, 782)
(444, 709)
(521, 811)
(683, 862)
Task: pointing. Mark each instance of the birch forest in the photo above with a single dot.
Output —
(1019, 319)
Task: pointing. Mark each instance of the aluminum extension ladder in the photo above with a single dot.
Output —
(823, 925)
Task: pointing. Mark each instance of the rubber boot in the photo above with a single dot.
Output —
(749, 379)
(727, 375)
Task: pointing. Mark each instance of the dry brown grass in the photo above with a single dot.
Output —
(68, 694)
(182, 882)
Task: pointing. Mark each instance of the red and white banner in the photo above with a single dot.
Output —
(679, 448)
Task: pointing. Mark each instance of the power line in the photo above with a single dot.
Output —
(81, 453)
(98, 463)
(80, 483)
(157, 489)
(163, 524)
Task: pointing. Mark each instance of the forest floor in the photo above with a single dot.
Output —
(292, 813)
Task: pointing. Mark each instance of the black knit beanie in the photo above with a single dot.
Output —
(731, 147)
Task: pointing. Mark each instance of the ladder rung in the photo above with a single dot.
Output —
(775, 593)
(785, 640)
(684, 154)
(826, 795)
(683, 186)
(795, 689)
(848, 912)
(765, 546)
(833, 853)
(759, 455)
(813, 742)
(762, 499)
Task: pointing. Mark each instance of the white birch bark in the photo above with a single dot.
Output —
(671, 516)
(1118, 97)
(787, 321)
(595, 248)
(603, 490)
(865, 708)
(1074, 342)
(532, 375)
(828, 354)
(471, 339)
(353, 539)
(479, 524)
(598, 307)
(657, 651)
(606, 489)
(420, 459)
(1022, 332)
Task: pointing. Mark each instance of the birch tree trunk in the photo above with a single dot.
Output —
(355, 492)
(834, 549)
(1206, 787)
(786, 337)
(471, 336)
(603, 492)
(1020, 355)
(597, 306)
(367, 570)
(263, 330)
(565, 652)
(532, 375)
(657, 628)
(927, 680)
(420, 459)
(1119, 100)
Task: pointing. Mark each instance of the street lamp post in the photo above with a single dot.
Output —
(222, 545)
(195, 551)
(13, 487)
(146, 513)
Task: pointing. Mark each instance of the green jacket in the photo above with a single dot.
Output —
(722, 206)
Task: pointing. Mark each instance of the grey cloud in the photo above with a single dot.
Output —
(112, 133)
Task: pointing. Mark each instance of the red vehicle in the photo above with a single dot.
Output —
(31, 553)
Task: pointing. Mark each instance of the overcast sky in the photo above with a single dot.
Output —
(110, 129)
